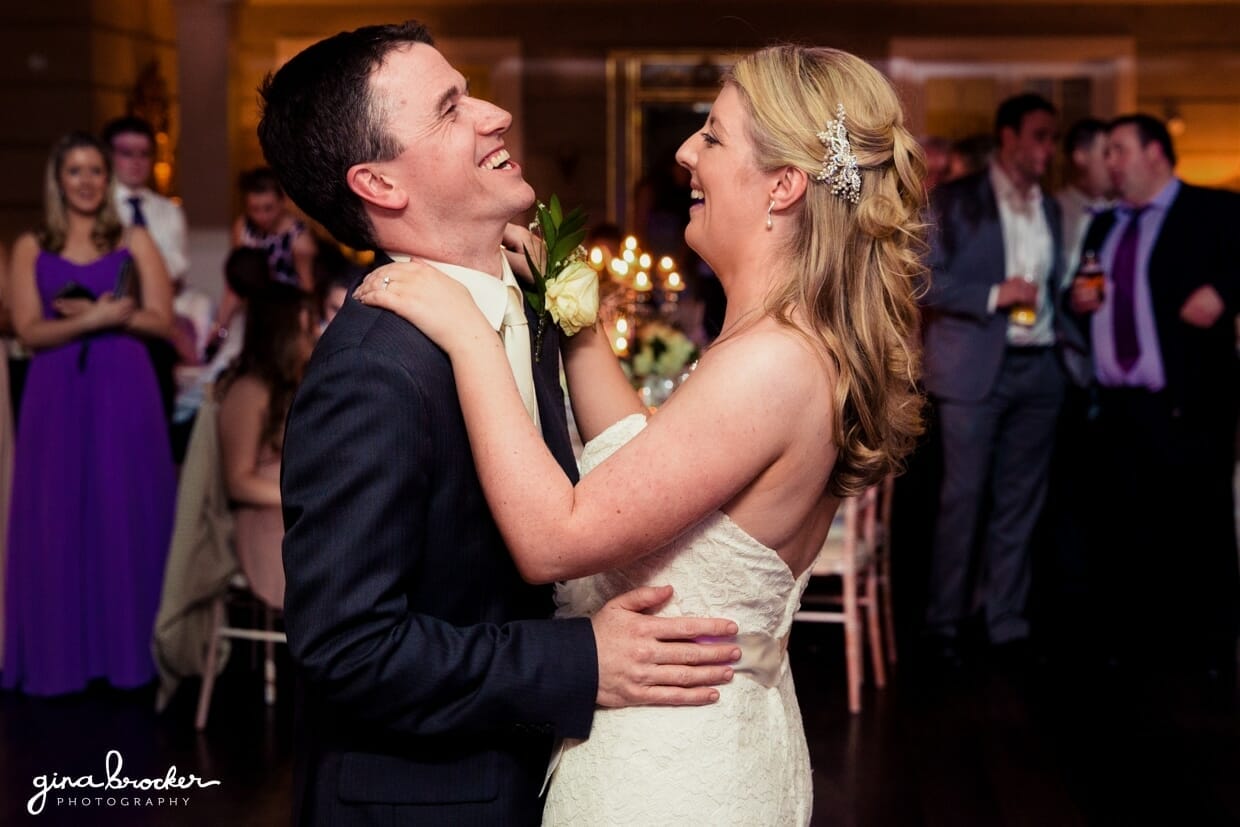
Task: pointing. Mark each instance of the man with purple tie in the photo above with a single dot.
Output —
(1162, 334)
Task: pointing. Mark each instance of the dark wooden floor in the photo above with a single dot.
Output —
(987, 745)
(982, 747)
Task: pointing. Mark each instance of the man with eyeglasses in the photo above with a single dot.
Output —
(132, 142)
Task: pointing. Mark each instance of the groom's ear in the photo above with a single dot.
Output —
(373, 186)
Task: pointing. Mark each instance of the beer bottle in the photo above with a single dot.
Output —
(1090, 273)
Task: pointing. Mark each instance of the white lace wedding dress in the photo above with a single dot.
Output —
(740, 761)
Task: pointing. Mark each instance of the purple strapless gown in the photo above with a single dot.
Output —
(93, 495)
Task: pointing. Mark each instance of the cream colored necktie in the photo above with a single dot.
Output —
(515, 332)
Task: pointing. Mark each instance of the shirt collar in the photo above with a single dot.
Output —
(489, 293)
(1087, 204)
(123, 192)
(1005, 190)
(1162, 200)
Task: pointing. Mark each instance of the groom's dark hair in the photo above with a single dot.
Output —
(319, 118)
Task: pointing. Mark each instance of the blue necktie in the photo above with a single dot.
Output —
(139, 217)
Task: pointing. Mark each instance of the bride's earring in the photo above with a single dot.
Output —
(769, 224)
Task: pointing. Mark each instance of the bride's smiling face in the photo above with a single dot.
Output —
(730, 194)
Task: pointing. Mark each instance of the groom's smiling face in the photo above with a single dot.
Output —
(455, 166)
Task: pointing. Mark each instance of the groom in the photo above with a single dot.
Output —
(433, 681)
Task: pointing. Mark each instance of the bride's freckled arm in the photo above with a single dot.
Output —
(698, 452)
(598, 389)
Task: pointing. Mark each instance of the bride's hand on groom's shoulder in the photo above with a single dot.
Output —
(437, 305)
(516, 241)
(656, 661)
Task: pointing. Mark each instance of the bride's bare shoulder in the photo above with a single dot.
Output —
(768, 343)
(773, 358)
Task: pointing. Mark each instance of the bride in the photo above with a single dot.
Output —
(807, 195)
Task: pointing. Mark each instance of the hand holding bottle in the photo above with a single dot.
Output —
(1088, 285)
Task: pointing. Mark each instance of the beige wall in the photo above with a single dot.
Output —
(69, 64)
(1187, 58)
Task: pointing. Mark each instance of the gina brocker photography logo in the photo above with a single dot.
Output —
(115, 789)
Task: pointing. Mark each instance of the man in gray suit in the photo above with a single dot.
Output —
(992, 329)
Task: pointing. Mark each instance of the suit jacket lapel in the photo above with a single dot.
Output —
(989, 226)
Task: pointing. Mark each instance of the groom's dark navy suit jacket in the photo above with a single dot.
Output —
(431, 682)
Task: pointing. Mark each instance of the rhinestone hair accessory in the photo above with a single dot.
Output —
(839, 165)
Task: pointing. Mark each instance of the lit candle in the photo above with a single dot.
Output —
(666, 263)
(644, 260)
(630, 243)
(674, 282)
(641, 282)
(629, 256)
(622, 325)
(596, 258)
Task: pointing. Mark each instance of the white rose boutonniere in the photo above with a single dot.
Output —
(572, 297)
(565, 287)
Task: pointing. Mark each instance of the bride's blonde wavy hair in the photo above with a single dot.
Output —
(854, 268)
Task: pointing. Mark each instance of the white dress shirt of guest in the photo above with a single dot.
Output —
(1148, 371)
(1028, 252)
(164, 220)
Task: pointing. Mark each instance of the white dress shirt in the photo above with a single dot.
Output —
(1028, 251)
(165, 221)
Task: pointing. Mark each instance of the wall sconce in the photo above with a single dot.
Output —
(1175, 121)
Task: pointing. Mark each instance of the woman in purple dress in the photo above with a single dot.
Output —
(94, 482)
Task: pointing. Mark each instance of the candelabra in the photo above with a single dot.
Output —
(638, 301)
(633, 288)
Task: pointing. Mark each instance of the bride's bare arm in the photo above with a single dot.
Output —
(598, 389)
(704, 447)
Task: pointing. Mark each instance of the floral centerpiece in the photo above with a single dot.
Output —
(659, 359)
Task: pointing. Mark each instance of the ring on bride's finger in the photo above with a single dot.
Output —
(386, 281)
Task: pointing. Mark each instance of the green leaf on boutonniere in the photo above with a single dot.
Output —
(562, 235)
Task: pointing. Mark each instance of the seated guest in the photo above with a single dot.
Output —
(245, 272)
(334, 275)
(254, 396)
(267, 225)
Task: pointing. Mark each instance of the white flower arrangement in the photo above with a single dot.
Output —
(660, 350)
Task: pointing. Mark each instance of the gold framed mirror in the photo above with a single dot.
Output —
(654, 101)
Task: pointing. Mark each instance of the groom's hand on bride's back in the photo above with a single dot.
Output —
(645, 660)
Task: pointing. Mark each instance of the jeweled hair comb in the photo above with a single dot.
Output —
(839, 165)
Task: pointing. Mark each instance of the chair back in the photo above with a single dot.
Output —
(853, 536)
